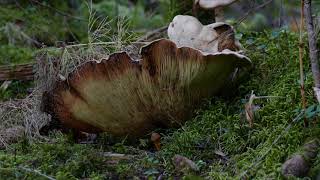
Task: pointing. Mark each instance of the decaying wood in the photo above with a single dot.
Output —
(17, 72)
(313, 50)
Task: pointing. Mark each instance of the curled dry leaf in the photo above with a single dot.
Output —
(182, 163)
(249, 110)
(123, 96)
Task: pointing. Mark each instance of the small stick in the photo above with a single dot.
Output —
(313, 49)
(301, 47)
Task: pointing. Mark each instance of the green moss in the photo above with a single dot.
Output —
(17, 89)
(219, 126)
(11, 54)
(40, 23)
(223, 126)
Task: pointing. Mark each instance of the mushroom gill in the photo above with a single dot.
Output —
(123, 97)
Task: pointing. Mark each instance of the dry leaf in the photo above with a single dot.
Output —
(5, 85)
(182, 163)
(249, 109)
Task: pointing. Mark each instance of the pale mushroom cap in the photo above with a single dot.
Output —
(187, 31)
(211, 4)
(155, 137)
(187, 26)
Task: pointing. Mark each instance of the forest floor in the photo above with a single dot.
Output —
(219, 140)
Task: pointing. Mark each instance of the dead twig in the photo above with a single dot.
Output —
(153, 35)
(313, 50)
(17, 72)
(301, 47)
(239, 21)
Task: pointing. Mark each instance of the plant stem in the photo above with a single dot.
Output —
(313, 51)
(219, 14)
(301, 47)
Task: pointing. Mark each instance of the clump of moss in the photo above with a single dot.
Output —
(11, 54)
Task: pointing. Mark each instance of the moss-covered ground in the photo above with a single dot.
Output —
(218, 139)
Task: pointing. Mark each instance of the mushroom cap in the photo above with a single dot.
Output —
(211, 4)
(124, 97)
(155, 137)
(187, 31)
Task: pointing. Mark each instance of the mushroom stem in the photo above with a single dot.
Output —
(206, 17)
(157, 145)
(214, 18)
(219, 14)
(156, 139)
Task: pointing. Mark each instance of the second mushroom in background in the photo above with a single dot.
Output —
(216, 6)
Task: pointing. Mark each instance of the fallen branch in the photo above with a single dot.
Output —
(17, 72)
(239, 21)
(153, 35)
(301, 47)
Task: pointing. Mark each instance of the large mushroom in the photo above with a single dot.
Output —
(216, 6)
(123, 96)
